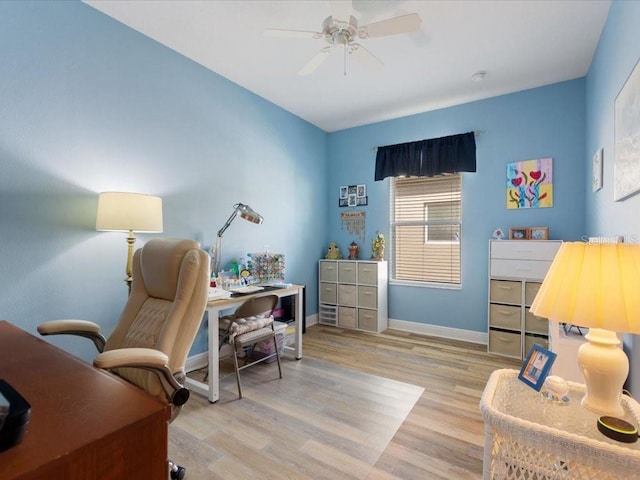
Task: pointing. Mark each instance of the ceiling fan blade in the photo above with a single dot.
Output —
(341, 10)
(364, 57)
(315, 62)
(392, 26)
(279, 33)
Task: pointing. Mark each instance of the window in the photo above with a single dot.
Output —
(426, 228)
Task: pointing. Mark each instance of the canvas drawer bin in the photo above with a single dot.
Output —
(528, 437)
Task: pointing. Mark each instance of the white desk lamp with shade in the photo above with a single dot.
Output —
(596, 286)
(239, 210)
(129, 212)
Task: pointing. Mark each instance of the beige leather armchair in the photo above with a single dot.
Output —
(151, 341)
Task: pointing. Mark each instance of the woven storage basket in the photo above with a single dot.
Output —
(528, 437)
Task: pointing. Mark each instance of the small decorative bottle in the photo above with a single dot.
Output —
(353, 251)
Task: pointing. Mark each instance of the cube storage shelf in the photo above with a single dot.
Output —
(516, 271)
(353, 294)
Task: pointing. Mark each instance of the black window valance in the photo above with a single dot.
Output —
(427, 158)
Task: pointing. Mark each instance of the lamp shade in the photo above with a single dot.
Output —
(249, 214)
(120, 211)
(593, 285)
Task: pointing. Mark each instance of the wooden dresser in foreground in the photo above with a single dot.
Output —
(86, 424)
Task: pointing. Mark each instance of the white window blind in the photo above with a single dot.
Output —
(425, 225)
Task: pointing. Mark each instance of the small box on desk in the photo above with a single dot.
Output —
(16, 418)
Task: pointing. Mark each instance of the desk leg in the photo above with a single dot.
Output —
(211, 388)
(214, 359)
(299, 298)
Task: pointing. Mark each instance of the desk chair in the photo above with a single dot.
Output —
(250, 324)
(151, 341)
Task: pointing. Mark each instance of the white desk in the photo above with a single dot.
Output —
(211, 388)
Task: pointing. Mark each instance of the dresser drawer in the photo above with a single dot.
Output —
(328, 292)
(525, 269)
(519, 249)
(535, 324)
(368, 273)
(368, 320)
(505, 291)
(347, 272)
(347, 317)
(530, 292)
(530, 341)
(367, 297)
(328, 271)
(504, 316)
(505, 343)
(347, 295)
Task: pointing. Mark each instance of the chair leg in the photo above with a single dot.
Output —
(235, 361)
(176, 472)
(275, 345)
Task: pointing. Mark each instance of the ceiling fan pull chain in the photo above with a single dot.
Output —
(345, 58)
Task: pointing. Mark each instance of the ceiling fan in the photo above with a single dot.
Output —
(341, 29)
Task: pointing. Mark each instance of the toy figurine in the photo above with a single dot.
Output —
(353, 251)
(333, 253)
(377, 247)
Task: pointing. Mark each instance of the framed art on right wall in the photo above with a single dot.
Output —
(626, 165)
(597, 170)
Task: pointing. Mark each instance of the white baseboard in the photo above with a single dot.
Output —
(196, 362)
(312, 320)
(199, 360)
(439, 331)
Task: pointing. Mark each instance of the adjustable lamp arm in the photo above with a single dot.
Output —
(239, 209)
(236, 207)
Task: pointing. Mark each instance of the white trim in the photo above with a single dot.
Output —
(200, 360)
(470, 336)
(196, 362)
(311, 320)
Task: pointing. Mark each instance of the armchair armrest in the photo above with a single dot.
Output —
(148, 359)
(81, 328)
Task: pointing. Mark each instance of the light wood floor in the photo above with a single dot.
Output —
(440, 438)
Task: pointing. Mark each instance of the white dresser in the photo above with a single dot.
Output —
(516, 271)
(353, 294)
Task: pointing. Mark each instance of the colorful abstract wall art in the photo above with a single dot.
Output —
(530, 183)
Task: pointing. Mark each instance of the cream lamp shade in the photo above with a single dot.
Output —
(120, 211)
(596, 286)
(129, 212)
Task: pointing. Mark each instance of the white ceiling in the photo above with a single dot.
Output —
(520, 44)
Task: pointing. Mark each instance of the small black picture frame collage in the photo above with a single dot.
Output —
(353, 196)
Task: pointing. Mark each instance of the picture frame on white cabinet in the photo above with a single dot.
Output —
(539, 233)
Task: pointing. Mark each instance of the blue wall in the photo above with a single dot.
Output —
(537, 123)
(618, 52)
(88, 105)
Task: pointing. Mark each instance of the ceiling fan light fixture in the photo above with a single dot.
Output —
(341, 28)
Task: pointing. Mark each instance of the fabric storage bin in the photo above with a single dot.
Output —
(505, 291)
(505, 343)
(504, 316)
(265, 348)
